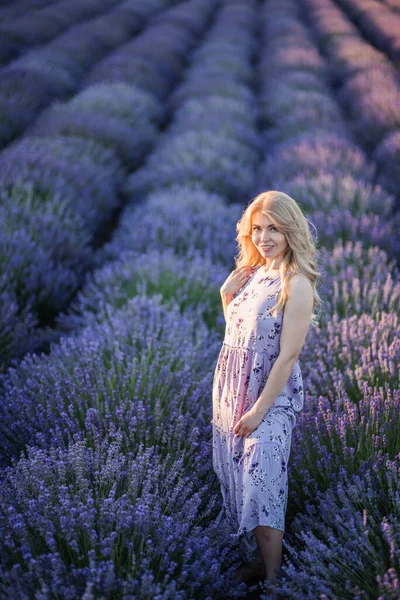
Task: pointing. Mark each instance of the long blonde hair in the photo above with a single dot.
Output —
(300, 254)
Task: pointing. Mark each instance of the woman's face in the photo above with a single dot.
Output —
(269, 241)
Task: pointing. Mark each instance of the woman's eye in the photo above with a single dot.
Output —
(256, 228)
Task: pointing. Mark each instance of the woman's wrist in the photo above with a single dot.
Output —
(260, 408)
(225, 296)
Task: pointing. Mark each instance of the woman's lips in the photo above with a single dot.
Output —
(267, 247)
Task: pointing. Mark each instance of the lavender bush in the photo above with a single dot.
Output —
(353, 351)
(189, 282)
(29, 91)
(127, 102)
(145, 371)
(356, 281)
(60, 69)
(50, 167)
(221, 165)
(336, 434)
(294, 81)
(18, 323)
(368, 229)
(84, 522)
(111, 132)
(36, 282)
(376, 111)
(223, 116)
(201, 87)
(280, 108)
(326, 190)
(309, 156)
(387, 155)
(354, 56)
(47, 231)
(185, 218)
(347, 541)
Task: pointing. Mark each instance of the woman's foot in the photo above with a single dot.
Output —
(255, 568)
(268, 587)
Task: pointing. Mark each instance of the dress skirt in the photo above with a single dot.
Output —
(253, 475)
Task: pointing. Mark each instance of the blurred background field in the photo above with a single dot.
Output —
(132, 136)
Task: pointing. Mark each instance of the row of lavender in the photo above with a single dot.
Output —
(344, 471)
(378, 22)
(56, 70)
(37, 27)
(118, 413)
(11, 11)
(368, 87)
(110, 125)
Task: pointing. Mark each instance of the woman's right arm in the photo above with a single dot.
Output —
(226, 299)
(233, 283)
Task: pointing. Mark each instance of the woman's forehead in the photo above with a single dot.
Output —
(260, 219)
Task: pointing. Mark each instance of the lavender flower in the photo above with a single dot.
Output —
(356, 281)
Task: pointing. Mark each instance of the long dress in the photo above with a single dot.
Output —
(253, 471)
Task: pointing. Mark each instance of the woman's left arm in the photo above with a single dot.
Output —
(295, 324)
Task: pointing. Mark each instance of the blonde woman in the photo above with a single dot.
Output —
(268, 302)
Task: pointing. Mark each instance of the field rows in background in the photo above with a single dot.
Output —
(111, 124)
(11, 11)
(57, 70)
(38, 27)
(378, 23)
(188, 107)
(368, 87)
(310, 150)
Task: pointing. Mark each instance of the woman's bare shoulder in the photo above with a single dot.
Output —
(299, 283)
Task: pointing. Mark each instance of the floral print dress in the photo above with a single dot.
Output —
(253, 471)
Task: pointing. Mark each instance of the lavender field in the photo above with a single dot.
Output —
(132, 136)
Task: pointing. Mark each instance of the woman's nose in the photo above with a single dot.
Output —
(265, 237)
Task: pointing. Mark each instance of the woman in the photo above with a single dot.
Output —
(268, 303)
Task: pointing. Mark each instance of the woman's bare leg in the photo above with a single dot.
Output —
(269, 541)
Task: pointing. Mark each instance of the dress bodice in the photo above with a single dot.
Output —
(250, 323)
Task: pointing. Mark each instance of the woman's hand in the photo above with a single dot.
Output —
(247, 423)
(236, 280)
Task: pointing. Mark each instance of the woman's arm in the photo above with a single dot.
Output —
(226, 299)
(295, 324)
(233, 283)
